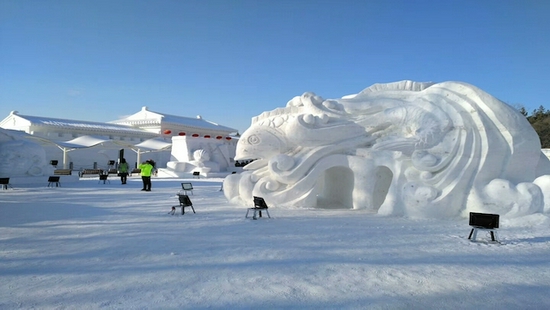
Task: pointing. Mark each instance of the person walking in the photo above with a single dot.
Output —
(146, 170)
(123, 170)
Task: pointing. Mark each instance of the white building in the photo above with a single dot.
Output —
(85, 144)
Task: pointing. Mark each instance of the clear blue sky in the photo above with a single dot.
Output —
(230, 60)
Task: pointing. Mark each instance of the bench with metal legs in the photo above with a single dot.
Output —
(185, 202)
(5, 182)
(259, 206)
(54, 180)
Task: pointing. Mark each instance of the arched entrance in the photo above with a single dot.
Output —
(383, 177)
(334, 188)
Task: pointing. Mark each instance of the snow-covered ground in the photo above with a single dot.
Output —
(110, 246)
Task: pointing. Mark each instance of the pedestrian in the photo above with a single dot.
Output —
(123, 170)
(146, 170)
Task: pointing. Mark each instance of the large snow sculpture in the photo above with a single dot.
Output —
(403, 148)
(22, 158)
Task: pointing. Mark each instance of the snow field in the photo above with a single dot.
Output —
(110, 246)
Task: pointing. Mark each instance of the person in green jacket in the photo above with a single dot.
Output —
(123, 170)
(146, 171)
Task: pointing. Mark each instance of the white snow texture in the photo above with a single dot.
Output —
(412, 149)
(89, 245)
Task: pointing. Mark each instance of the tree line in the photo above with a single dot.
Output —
(540, 120)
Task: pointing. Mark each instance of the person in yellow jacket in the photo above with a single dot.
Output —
(123, 170)
(146, 171)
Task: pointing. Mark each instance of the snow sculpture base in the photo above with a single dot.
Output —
(405, 148)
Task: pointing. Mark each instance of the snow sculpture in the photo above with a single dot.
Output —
(201, 160)
(205, 155)
(405, 148)
(22, 158)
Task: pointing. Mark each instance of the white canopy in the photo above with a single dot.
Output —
(155, 144)
(151, 145)
(81, 142)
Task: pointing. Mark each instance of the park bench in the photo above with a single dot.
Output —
(5, 182)
(104, 178)
(54, 180)
(93, 172)
(135, 170)
(259, 205)
(484, 222)
(185, 202)
(62, 172)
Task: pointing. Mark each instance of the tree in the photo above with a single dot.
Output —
(523, 111)
(540, 120)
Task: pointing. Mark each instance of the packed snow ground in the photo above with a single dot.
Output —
(110, 246)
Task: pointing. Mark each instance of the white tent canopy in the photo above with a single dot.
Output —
(151, 145)
(155, 144)
(78, 143)
(81, 142)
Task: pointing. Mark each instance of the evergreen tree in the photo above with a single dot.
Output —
(540, 120)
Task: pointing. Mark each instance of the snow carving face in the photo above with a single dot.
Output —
(260, 142)
(404, 148)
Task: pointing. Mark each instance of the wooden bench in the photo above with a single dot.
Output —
(135, 170)
(62, 172)
(94, 172)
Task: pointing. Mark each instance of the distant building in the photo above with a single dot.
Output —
(63, 138)
(172, 125)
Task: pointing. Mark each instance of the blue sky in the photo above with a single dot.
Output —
(231, 60)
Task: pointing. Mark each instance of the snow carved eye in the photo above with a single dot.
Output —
(253, 139)
(309, 119)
